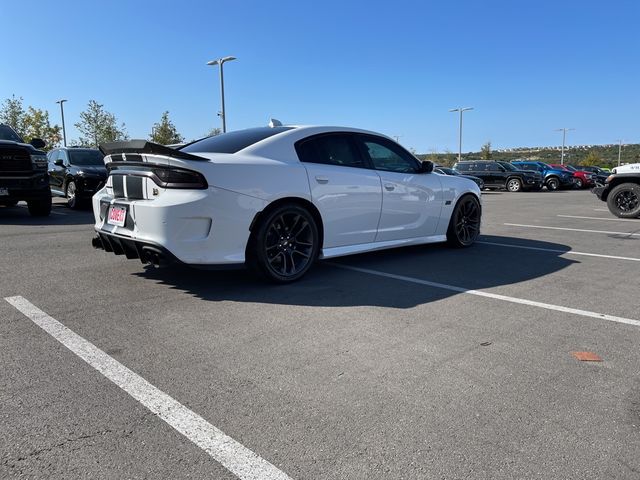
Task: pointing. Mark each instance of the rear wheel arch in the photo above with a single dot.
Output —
(313, 210)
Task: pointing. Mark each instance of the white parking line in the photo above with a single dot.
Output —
(600, 210)
(628, 234)
(564, 252)
(495, 296)
(235, 457)
(600, 218)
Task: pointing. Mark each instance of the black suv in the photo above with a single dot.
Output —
(76, 173)
(23, 172)
(496, 174)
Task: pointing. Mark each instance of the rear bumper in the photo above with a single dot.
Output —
(147, 252)
(195, 227)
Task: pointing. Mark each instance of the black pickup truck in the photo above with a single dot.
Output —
(23, 173)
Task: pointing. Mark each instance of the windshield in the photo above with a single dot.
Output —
(449, 171)
(569, 167)
(7, 133)
(86, 158)
(509, 167)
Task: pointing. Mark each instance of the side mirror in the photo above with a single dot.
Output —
(426, 166)
(59, 162)
(37, 143)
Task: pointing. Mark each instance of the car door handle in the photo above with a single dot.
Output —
(320, 179)
(389, 186)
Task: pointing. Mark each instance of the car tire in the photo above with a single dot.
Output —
(70, 194)
(624, 200)
(552, 184)
(464, 225)
(514, 185)
(285, 244)
(40, 207)
(579, 183)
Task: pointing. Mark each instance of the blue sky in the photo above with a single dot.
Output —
(394, 67)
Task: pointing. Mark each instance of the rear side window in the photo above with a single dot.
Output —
(463, 167)
(330, 150)
(232, 142)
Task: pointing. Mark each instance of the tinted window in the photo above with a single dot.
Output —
(508, 166)
(52, 155)
(7, 133)
(330, 150)
(462, 167)
(386, 156)
(493, 167)
(86, 157)
(233, 142)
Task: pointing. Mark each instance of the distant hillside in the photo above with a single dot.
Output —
(608, 155)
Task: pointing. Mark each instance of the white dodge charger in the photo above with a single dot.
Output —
(277, 198)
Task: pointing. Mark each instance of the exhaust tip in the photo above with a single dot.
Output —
(96, 242)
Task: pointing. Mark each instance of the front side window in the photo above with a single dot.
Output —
(386, 156)
(337, 149)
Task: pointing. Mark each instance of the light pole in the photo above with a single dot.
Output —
(64, 133)
(564, 137)
(461, 110)
(221, 62)
(619, 150)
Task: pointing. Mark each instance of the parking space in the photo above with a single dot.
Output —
(423, 362)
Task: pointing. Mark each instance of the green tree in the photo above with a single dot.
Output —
(12, 113)
(593, 159)
(97, 126)
(165, 132)
(36, 125)
(30, 124)
(214, 131)
(485, 151)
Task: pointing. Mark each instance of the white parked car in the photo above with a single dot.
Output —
(276, 199)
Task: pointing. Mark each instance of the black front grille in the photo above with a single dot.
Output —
(14, 160)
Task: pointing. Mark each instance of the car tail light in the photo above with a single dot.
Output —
(179, 178)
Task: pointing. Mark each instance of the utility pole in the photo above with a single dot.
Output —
(64, 133)
(461, 110)
(619, 150)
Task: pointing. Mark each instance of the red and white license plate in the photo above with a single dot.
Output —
(117, 216)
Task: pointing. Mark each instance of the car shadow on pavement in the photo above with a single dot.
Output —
(60, 215)
(332, 283)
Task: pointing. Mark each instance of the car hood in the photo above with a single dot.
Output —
(28, 146)
(631, 168)
(92, 169)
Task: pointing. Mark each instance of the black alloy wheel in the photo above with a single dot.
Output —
(624, 200)
(464, 226)
(286, 244)
(553, 184)
(578, 183)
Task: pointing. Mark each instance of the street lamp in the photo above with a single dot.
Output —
(564, 137)
(221, 62)
(461, 110)
(64, 133)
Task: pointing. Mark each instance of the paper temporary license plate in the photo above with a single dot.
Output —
(117, 216)
(4, 192)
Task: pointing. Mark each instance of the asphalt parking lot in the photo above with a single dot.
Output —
(413, 363)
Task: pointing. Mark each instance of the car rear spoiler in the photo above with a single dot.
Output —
(143, 146)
